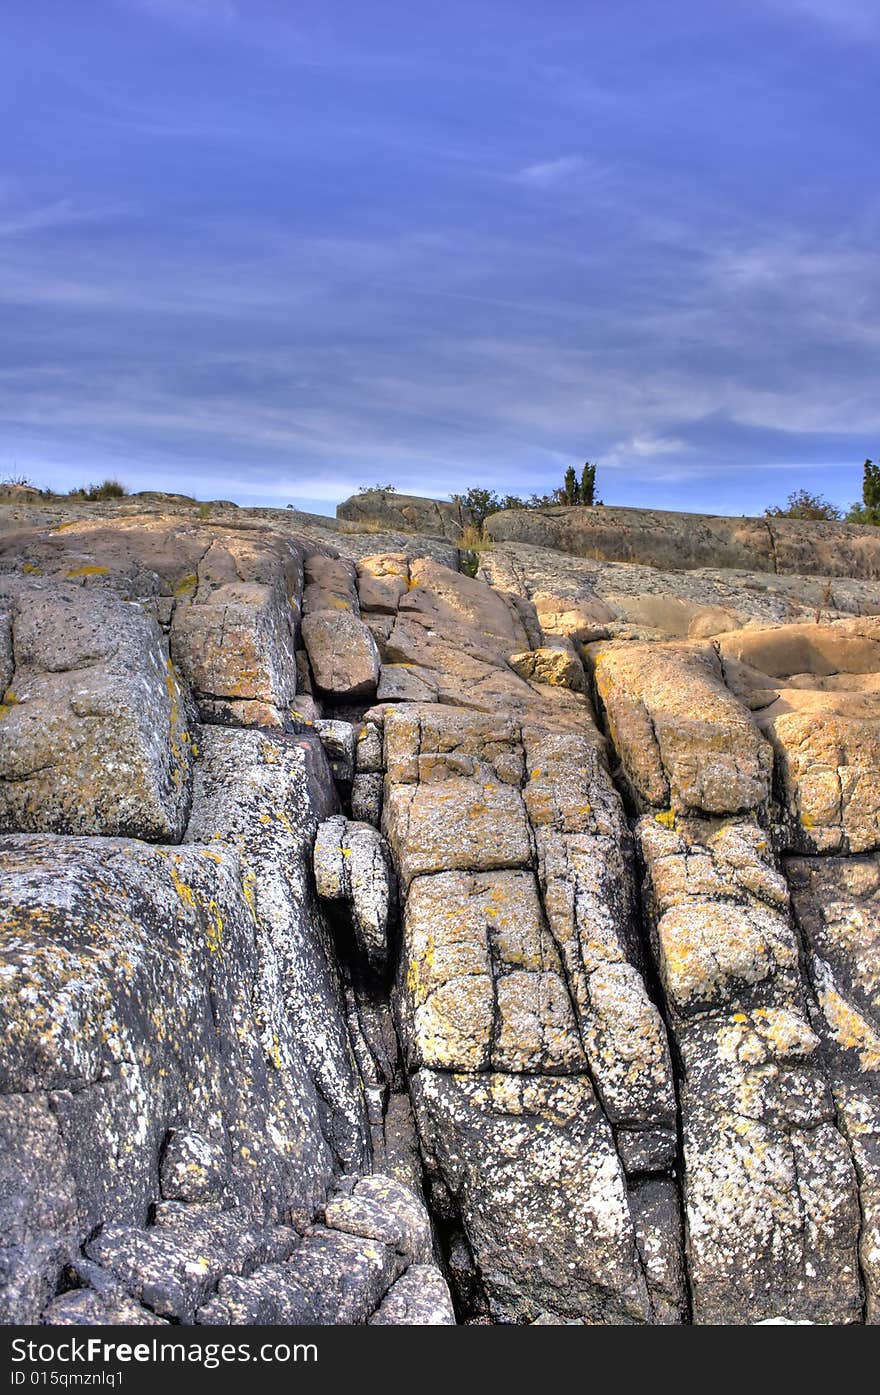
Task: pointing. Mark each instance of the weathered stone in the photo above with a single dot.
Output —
(406, 683)
(381, 1208)
(93, 729)
(38, 1205)
(228, 595)
(532, 1165)
(680, 541)
(450, 643)
(182, 1021)
(837, 906)
(237, 647)
(481, 982)
(419, 1298)
(342, 653)
(406, 512)
(584, 859)
(369, 749)
(154, 1270)
(719, 910)
(173, 1266)
(815, 692)
(770, 1189)
(145, 986)
(193, 1168)
(455, 824)
(382, 581)
(771, 1214)
(396, 1149)
(591, 599)
(265, 797)
(305, 712)
(366, 798)
(559, 666)
(684, 741)
(352, 867)
(330, 585)
(331, 1279)
(85, 1307)
(338, 740)
(656, 1213)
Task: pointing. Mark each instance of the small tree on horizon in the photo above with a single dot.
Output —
(570, 487)
(871, 490)
(588, 484)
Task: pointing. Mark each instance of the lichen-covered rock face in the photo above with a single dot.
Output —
(684, 741)
(837, 908)
(94, 737)
(342, 653)
(590, 599)
(473, 1004)
(130, 990)
(531, 1163)
(228, 596)
(264, 798)
(484, 986)
(352, 870)
(770, 1185)
(534, 1048)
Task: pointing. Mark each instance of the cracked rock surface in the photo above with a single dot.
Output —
(385, 945)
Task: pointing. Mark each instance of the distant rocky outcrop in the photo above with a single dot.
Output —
(684, 541)
(383, 508)
(385, 945)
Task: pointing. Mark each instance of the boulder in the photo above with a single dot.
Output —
(342, 653)
(419, 1298)
(684, 742)
(383, 508)
(330, 585)
(557, 665)
(382, 1208)
(352, 870)
(531, 1162)
(95, 737)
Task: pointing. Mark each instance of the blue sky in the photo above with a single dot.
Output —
(271, 251)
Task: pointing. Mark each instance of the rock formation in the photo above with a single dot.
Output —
(381, 944)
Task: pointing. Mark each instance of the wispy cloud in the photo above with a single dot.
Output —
(855, 20)
(60, 213)
(547, 172)
(249, 281)
(186, 11)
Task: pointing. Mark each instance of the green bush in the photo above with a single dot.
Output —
(802, 504)
(107, 489)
